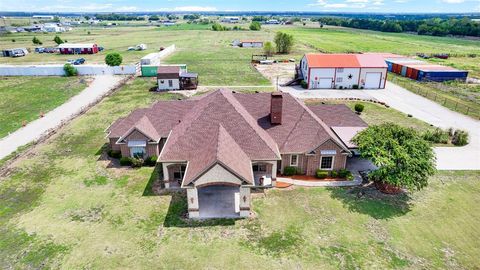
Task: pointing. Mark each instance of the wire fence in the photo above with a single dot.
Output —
(431, 91)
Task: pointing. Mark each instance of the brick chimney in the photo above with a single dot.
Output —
(276, 107)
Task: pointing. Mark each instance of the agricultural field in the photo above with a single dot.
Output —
(25, 98)
(65, 205)
(204, 51)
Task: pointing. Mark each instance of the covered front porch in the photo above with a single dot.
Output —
(264, 173)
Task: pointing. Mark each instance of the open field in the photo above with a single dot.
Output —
(204, 51)
(65, 206)
(337, 39)
(24, 98)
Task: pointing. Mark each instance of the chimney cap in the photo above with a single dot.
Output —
(277, 94)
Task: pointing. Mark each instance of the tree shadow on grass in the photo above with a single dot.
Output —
(368, 200)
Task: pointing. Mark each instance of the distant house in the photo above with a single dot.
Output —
(220, 146)
(173, 78)
(250, 43)
(53, 28)
(272, 21)
(77, 48)
(16, 52)
(43, 17)
(230, 19)
(343, 71)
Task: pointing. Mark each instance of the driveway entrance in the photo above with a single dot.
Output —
(219, 201)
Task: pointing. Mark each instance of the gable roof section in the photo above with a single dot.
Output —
(320, 60)
(221, 149)
(145, 127)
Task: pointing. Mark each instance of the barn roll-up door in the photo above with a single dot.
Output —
(372, 80)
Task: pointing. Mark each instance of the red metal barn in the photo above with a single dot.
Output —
(70, 48)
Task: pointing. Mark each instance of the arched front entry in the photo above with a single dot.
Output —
(219, 201)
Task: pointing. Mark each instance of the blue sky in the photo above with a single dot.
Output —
(420, 6)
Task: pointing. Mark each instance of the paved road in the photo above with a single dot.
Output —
(448, 158)
(34, 130)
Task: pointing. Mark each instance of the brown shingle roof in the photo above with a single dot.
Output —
(234, 129)
(168, 72)
(337, 115)
(221, 148)
(144, 126)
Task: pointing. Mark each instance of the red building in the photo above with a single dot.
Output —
(71, 48)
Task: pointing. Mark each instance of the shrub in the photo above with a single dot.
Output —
(355, 86)
(342, 173)
(113, 59)
(137, 162)
(35, 40)
(58, 40)
(70, 70)
(436, 136)
(304, 84)
(13, 40)
(125, 161)
(114, 154)
(151, 161)
(460, 138)
(321, 174)
(359, 107)
(289, 171)
(255, 26)
(334, 174)
(268, 48)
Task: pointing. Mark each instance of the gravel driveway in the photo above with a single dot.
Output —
(448, 158)
(100, 86)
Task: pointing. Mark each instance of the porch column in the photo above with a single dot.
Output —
(192, 198)
(245, 199)
(274, 170)
(165, 174)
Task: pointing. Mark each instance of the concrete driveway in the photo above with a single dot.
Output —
(217, 201)
(448, 158)
(100, 86)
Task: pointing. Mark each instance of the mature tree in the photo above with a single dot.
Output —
(113, 59)
(283, 42)
(255, 26)
(403, 158)
(58, 40)
(268, 48)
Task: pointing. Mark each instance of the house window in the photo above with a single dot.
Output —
(326, 163)
(179, 172)
(294, 160)
(340, 70)
(259, 168)
(339, 79)
(137, 152)
(170, 83)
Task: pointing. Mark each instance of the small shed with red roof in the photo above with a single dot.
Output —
(343, 71)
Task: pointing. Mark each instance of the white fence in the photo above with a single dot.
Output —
(153, 59)
(57, 70)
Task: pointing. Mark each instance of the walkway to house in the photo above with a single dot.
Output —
(33, 131)
(448, 158)
(322, 183)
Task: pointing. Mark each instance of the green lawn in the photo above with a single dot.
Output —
(65, 207)
(24, 98)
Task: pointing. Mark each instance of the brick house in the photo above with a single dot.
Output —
(220, 145)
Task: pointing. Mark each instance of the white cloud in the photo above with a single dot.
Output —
(195, 8)
(453, 1)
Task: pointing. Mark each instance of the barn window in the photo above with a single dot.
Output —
(170, 83)
(340, 70)
(294, 160)
(339, 79)
(326, 163)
